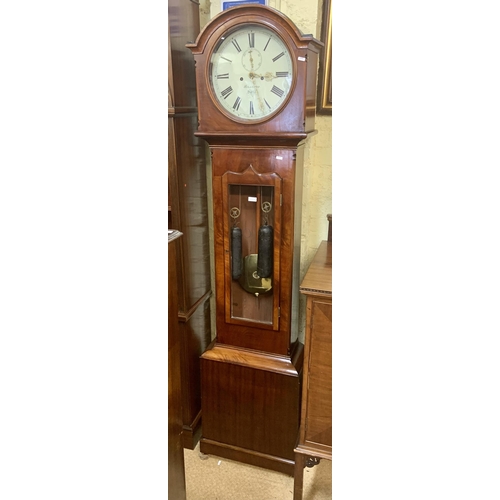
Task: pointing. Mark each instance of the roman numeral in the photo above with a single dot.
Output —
(251, 40)
(226, 59)
(267, 44)
(278, 56)
(267, 104)
(237, 45)
(277, 91)
(227, 92)
(283, 74)
(251, 108)
(236, 105)
(223, 76)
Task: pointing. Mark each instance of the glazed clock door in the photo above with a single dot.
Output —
(252, 229)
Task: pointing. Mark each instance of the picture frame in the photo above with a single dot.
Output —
(324, 97)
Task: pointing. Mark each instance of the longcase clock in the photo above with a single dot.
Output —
(256, 86)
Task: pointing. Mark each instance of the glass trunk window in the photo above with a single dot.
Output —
(251, 219)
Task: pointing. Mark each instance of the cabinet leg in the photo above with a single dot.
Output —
(298, 478)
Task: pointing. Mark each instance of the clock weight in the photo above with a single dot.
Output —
(265, 250)
(236, 239)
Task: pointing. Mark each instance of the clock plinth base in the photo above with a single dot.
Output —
(249, 457)
(250, 406)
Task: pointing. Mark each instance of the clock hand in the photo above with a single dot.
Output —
(268, 76)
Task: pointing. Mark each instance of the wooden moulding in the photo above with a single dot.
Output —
(315, 450)
(276, 140)
(191, 433)
(256, 359)
(250, 457)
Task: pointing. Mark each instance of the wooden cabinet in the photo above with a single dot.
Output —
(315, 435)
(176, 474)
(188, 211)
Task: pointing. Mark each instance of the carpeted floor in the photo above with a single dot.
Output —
(213, 478)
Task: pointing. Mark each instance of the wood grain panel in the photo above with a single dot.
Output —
(315, 436)
(279, 164)
(251, 401)
(187, 172)
(188, 209)
(318, 279)
(176, 474)
(184, 26)
(319, 393)
(195, 333)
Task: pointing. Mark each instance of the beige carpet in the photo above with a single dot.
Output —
(213, 478)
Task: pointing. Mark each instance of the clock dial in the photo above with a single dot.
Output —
(251, 73)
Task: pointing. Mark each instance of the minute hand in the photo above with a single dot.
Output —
(268, 76)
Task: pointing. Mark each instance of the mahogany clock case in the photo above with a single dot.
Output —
(296, 118)
(251, 374)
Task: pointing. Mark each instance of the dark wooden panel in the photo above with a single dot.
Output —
(251, 401)
(315, 437)
(176, 474)
(188, 185)
(184, 25)
(195, 333)
(173, 199)
(187, 172)
(188, 209)
(249, 410)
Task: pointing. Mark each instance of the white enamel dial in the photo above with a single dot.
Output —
(251, 72)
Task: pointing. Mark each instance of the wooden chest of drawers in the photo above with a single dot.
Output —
(315, 435)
